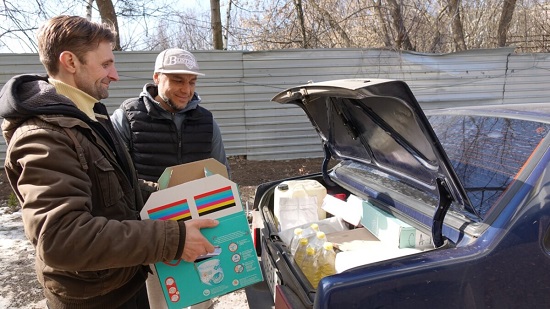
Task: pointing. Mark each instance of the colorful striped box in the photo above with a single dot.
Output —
(210, 196)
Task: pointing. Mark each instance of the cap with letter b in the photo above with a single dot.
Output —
(177, 61)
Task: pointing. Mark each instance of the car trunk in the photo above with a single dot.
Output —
(280, 266)
(387, 194)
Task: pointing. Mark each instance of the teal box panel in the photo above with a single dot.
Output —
(236, 266)
(388, 228)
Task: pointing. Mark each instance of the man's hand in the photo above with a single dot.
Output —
(195, 243)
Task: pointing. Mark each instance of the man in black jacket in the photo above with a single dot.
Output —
(165, 125)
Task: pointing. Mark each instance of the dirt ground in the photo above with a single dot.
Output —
(249, 174)
(19, 287)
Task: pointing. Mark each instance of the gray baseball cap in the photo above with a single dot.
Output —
(177, 61)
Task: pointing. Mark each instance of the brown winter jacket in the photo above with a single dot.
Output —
(80, 200)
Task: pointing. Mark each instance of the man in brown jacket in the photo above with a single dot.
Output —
(79, 194)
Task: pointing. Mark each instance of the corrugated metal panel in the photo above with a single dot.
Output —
(527, 79)
(238, 86)
(288, 134)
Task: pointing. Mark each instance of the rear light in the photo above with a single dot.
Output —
(256, 225)
(281, 302)
(256, 238)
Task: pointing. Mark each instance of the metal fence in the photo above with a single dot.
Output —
(239, 85)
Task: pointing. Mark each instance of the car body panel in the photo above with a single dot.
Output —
(504, 268)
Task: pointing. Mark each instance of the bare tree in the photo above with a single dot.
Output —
(300, 17)
(215, 16)
(508, 7)
(89, 7)
(108, 15)
(187, 30)
(437, 40)
(227, 24)
(382, 21)
(335, 25)
(17, 32)
(402, 41)
(456, 24)
(422, 25)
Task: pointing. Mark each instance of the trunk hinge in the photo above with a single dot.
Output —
(445, 201)
(324, 168)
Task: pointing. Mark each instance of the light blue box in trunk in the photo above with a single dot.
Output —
(387, 228)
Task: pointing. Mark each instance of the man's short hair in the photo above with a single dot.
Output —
(70, 33)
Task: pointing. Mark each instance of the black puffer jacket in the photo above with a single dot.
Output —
(156, 141)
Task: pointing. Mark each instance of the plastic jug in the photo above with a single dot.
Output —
(318, 241)
(325, 263)
(311, 231)
(299, 202)
(295, 240)
(308, 266)
(301, 251)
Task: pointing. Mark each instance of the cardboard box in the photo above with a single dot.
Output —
(391, 230)
(201, 190)
(360, 247)
(354, 239)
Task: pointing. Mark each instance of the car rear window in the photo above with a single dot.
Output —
(487, 152)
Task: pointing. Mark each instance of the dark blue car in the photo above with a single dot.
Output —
(474, 181)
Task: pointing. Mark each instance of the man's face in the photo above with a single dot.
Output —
(178, 89)
(99, 71)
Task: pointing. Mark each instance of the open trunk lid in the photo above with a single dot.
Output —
(380, 124)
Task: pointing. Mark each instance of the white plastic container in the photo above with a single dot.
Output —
(299, 202)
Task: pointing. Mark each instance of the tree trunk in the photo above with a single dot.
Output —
(438, 37)
(383, 22)
(108, 15)
(300, 15)
(335, 25)
(89, 4)
(227, 23)
(216, 24)
(403, 41)
(508, 8)
(456, 24)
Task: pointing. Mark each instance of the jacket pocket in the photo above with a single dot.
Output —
(83, 285)
(109, 183)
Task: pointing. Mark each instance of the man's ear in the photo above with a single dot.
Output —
(156, 77)
(68, 61)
